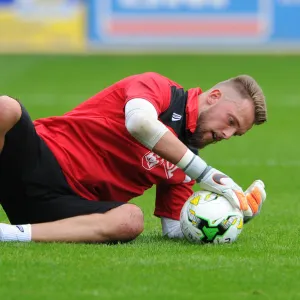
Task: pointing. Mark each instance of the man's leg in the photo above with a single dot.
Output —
(10, 113)
(34, 191)
(123, 223)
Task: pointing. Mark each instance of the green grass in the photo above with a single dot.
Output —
(263, 264)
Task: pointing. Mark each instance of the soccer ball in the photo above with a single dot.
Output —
(210, 218)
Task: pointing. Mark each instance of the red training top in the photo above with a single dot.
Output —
(102, 161)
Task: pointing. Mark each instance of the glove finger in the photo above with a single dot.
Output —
(258, 188)
(242, 200)
(252, 203)
(257, 195)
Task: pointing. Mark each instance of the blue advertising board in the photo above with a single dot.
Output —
(286, 17)
(6, 2)
(192, 22)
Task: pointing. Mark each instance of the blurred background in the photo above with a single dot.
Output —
(149, 25)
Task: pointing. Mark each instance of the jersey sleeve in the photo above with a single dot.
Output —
(152, 87)
(171, 198)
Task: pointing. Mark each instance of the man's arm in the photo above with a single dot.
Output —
(142, 123)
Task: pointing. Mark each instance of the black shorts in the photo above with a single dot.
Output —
(33, 188)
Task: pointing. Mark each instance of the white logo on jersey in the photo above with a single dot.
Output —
(151, 160)
(176, 117)
(169, 169)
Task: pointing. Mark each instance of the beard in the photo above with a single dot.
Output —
(196, 140)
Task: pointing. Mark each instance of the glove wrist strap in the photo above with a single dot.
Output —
(206, 170)
(192, 164)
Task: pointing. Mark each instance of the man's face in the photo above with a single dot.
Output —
(223, 119)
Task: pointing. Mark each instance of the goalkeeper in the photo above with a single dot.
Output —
(69, 178)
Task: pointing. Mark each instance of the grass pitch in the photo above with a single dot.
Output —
(263, 264)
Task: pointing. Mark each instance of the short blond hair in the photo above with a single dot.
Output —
(248, 88)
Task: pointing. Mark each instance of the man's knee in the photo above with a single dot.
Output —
(123, 223)
(10, 113)
(132, 223)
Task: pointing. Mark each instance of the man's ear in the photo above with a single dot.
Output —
(214, 96)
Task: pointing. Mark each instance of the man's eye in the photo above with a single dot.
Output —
(231, 121)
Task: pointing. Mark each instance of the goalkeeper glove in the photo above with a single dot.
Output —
(215, 181)
(255, 195)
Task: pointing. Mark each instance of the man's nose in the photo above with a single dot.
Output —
(228, 132)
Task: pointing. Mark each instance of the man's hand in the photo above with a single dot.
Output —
(255, 195)
(215, 181)
(249, 203)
